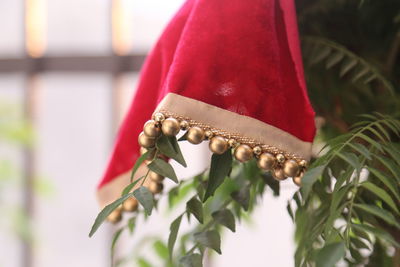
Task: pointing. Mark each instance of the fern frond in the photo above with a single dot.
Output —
(333, 54)
(351, 192)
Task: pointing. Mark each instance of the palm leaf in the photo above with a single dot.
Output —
(334, 53)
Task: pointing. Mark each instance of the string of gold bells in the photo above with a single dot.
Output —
(281, 165)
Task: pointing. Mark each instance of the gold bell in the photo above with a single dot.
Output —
(195, 135)
(156, 177)
(280, 158)
(232, 143)
(266, 161)
(130, 205)
(243, 153)
(303, 163)
(115, 216)
(290, 168)
(151, 129)
(184, 125)
(218, 145)
(155, 187)
(145, 141)
(257, 150)
(298, 178)
(170, 127)
(159, 117)
(279, 174)
(208, 134)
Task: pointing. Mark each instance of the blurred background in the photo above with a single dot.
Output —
(68, 71)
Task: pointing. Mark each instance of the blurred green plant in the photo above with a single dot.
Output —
(14, 133)
(348, 207)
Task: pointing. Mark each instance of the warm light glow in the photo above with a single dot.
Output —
(121, 26)
(35, 27)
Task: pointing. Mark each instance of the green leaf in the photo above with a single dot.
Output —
(163, 168)
(161, 249)
(220, 168)
(347, 66)
(139, 162)
(210, 239)
(334, 59)
(351, 159)
(394, 152)
(383, 131)
(145, 198)
(309, 179)
(242, 197)
(387, 181)
(360, 74)
(168, 145)
(391, 166)
(183, 137)
(174, 228)
(351, 60)
(177, 194)
(338, 196)
(379, 212)
(129, 187)
(380, 193)
(143, 263)
(370, 78)
(116, 236)
(225, 217)
(330, 254)
(131, 224)
(381, 234)
(361, 149)
(191, 260)
(370, 141)
(359, 243)
(195, 207)
(320, 54)
(102, 216)
(271, 182)
(377, 134)
(290, 211)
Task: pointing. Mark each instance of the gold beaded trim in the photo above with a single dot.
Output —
(238, 137)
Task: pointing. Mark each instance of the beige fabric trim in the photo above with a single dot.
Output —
(236, 124)
(112, 190)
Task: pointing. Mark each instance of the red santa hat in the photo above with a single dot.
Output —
(229, 69)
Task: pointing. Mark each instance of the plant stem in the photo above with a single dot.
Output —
(354, 193)
(148, 171)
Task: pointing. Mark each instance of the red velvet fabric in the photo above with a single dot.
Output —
(243, 56)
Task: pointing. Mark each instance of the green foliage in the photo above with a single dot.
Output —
(195, 207)
(145, 198)
(209, 239)
(344, 203)
(163, 168)
(174, 228)
(102, 216)
(348, 207)
(330, 254)
(221, 165)
(15, 134)
(191, 260)
(351, 193)
(226, 218)
(227, 200)
(168, 146)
